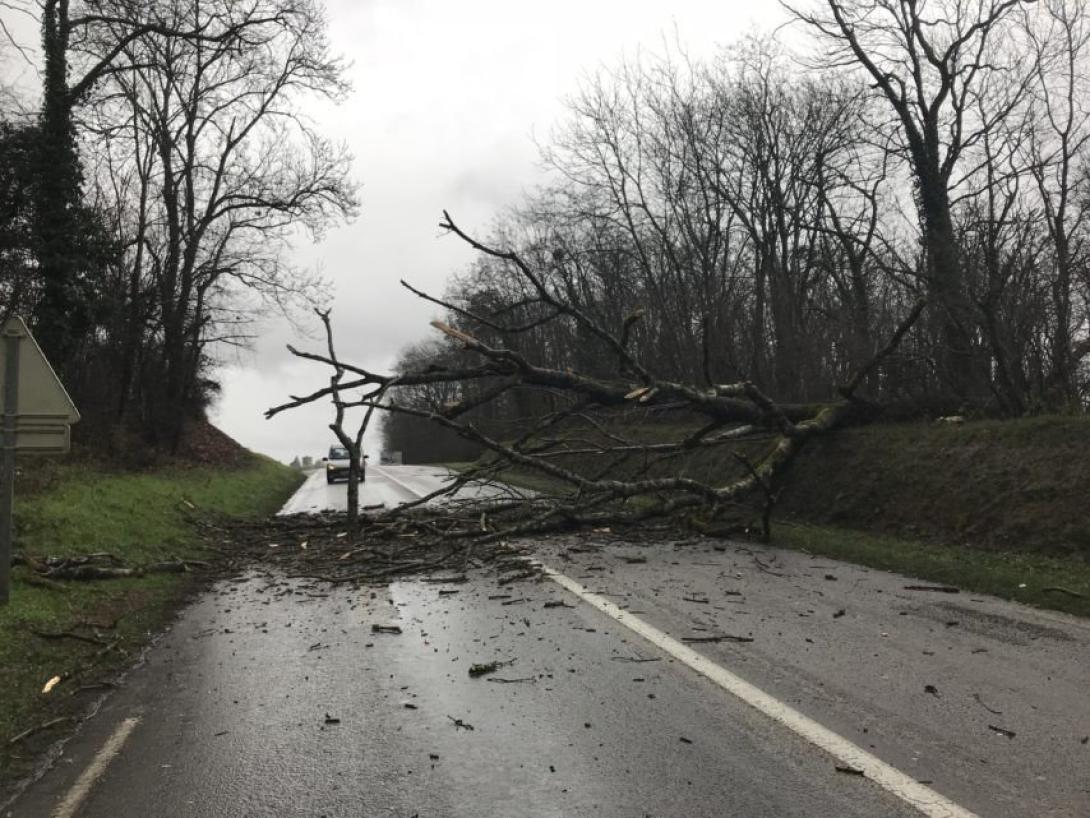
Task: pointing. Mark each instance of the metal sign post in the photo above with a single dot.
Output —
(7, 459)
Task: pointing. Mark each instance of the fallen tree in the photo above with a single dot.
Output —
(583, 421)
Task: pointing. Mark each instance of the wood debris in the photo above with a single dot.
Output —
(940, 589)
(484, 669)
(991, 710)
(461, 725)
(721, 638)
(434, 546)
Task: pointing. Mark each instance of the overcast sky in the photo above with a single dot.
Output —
(448, 101)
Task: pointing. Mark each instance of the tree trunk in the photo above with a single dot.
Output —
(957, 359)
(57, 197)
(1062, 387)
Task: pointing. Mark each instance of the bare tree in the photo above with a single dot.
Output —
(933, 65)
(712, 191)
(795, 169)
(84, 42)
(1056, 152)
(218, 167)
(353, 442)
(760, 211)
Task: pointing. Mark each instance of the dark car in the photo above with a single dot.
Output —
(336, 464)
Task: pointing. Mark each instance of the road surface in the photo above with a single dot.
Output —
(388, 486)
(273, 697)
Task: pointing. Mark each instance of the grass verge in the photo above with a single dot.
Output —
(84, 632)
(1033, 579)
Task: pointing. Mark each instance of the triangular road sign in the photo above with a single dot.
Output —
(42, 397)
(37, 423)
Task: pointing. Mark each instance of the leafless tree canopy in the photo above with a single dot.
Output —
(200, 148)
(775, 221)
(180, 131)
(741, 248)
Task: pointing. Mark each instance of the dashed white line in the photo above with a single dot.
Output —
(926, 800)
(82, 788)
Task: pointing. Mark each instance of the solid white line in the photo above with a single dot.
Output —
(82, 788)
(924, 799)
(303, 501)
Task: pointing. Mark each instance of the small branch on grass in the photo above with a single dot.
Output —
(87, 688)
(23, 736)
(78, 637)
(1056, 589)
(42, 582)
(84, 573)
(48, 570)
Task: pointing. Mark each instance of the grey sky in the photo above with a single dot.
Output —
(448, 100)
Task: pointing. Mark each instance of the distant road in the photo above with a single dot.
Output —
(390, 486)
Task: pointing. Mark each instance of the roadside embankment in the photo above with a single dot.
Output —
(72, 636)
(1019, 485)
(999, 507)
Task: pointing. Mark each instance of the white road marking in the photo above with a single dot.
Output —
(82, 788)
(904, 787)
(384, 473)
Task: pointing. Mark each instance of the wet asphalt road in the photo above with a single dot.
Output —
(275, 698)
(389, 486)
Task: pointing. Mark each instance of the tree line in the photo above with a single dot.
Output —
(770, 217)
(146, 205)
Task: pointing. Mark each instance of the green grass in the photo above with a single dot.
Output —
(145, 515)
(139, 518)
(1010, 575)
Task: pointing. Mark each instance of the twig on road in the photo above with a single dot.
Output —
(461, 725)
(991, 710)
(722, 638)
(941, 589)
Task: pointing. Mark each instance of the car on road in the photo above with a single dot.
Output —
(337, 463)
